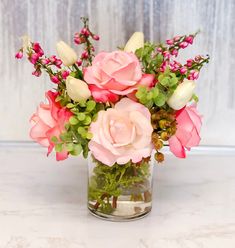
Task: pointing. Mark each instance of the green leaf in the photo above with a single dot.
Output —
(77, 149)
(82, 131)
(195, 98)
(90, 105)
(139, 52)
(54, 139)
(69, 147)
(67, 126)
(73, 120)
(89, 135)
(159, 59)
(65, 137)
(82, 103)
(149, 95)
(160, 100)
(59, 147)
(165, 81)
(85, 151)
(70, 105)
(149, 104)
(81, 116)
(87, 120)
(73, 74)
(58, 98)
(160, 77)
(155, 91)
(173, 81)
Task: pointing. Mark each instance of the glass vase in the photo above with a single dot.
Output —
(120, 192)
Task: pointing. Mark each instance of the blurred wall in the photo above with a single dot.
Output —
(47, 21)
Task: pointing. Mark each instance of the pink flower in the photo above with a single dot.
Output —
(34, 58)
(193, 75)
(79, 63)
(95, 37)
(58, 63)
(102, 95)
(45, 61)
(53, 59)
(55, 79)
(183, 70)
(122, 133)
(169, 42)
(37, 73)
(183, 44)
(189, 39)
(37, 48)
(166, 54)
(177, 38)
(188, 129)
(65, 74)
(116, 73)
(174, 52)
(19, 55)
(189, 62)
(49, 121)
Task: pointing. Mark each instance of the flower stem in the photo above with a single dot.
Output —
(97, 204)
(114, 203)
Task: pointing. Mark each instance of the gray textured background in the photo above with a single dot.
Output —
(115, 20)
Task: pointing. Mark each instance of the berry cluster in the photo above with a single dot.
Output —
(164, 125)
(83, 37)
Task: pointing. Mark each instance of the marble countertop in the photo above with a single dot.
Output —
(43, 204)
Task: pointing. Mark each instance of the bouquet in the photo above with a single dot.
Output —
(119, 107)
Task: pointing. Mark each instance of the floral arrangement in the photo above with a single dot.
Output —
(120, 106)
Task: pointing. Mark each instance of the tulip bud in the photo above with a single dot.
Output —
(77, 89)
(66, 53)
(135, 42)
(182, 95)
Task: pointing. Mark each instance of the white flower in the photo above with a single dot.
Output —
(66, 53)
(135, 42)
(77, 89)
(182, 94)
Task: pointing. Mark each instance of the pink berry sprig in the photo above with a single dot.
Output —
(191, 68)
(180, 42)
(83, 37)
(35, 54)
(194, 66)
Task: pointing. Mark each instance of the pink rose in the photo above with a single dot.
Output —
(122, 133)
(49, 121)
(114, 74)
(188, 129)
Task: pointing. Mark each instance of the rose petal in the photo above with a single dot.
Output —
(101, 154)
(176, 148)
(61, 155)
(102, 95)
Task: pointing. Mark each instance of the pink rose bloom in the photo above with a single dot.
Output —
(188, 129)
(122, 133)
(49, 121)
(115, 74)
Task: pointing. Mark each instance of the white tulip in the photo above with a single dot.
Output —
(77, 89)
(135, 42)
(182, 94)
(66, 53)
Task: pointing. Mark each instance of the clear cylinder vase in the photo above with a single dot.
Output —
(120, 192)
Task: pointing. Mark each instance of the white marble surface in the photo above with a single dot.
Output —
(43, 204)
